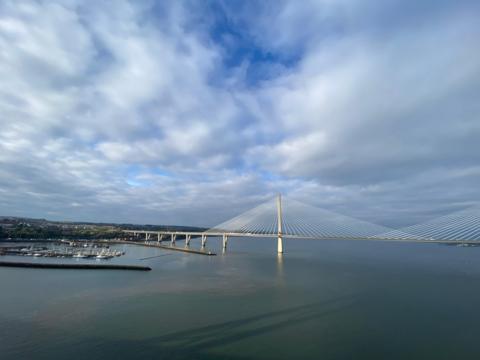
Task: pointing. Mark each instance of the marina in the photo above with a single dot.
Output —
(65, 250)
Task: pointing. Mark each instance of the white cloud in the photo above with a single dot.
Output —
(129, 113)
(376, 106)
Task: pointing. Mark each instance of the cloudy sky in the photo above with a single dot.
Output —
(172, 112)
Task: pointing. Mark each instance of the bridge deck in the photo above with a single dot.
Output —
(292, 236)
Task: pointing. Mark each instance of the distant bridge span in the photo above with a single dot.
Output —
(301, 221)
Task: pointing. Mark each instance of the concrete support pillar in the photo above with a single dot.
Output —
(204, 240)
(224, 242)
(173, 237)
(147, 236)
(188, 237)
(279, 223)
(159, 237)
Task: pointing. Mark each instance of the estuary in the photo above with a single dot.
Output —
(321, 299)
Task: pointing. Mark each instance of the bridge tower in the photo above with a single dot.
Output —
(279, 222)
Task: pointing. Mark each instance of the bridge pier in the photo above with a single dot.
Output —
(188, 237)
(224, 242)
(279, 223)
(160, 237)
(147, 236)
(204, 240)
(173, 237)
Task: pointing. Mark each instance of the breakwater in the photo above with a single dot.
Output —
(159, 246)
(74, 266)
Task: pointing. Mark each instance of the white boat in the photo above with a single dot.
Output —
(103, 255)
(79, 256)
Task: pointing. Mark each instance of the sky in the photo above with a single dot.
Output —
(191, 112)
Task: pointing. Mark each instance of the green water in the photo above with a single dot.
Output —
(321, 300)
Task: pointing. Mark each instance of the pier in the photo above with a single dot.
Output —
(74, 266)
(165, 247)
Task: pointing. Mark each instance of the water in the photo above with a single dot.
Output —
(322, 300)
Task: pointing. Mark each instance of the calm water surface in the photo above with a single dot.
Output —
(322, 300)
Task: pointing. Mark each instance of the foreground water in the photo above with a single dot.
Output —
(322, 300)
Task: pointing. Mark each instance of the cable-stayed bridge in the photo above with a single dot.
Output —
(287, 218)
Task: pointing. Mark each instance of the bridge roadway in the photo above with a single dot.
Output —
(241, 226)
(187, 235)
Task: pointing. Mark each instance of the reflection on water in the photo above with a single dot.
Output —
(328, 300)
(280, 279)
